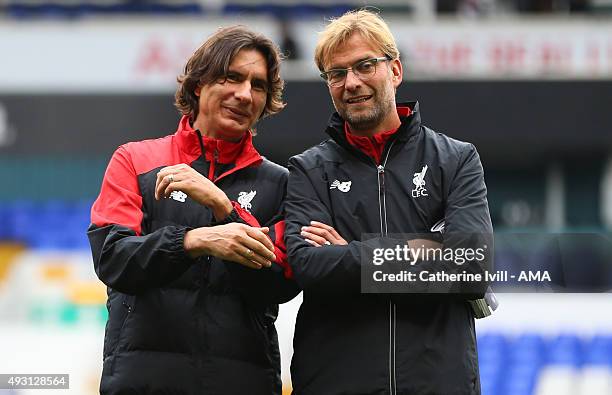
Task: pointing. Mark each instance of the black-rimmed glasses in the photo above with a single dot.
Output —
(363, 70)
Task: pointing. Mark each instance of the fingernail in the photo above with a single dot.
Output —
(312, 222)
(303, 233)
(268, 263)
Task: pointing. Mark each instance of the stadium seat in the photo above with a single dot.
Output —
(51, 9)
(54, 224)
(22, 219)
(566, 350)
(598, 351)
(4, 228)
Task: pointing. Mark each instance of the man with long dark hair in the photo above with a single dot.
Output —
(187, 234)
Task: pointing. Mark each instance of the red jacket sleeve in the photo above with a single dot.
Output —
(276, 235)
(267, 285)
(124, 259)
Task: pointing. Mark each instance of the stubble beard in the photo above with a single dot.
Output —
(369, 120)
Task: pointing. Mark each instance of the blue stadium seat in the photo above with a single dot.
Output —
(54, 224)
(520, 379)
(598, 351)
(492, 341)
(51, 219)
(566, 349)
(4, 226)
(76, 234)
(52, 9)
(528, 349)
(512, 365)
(490, 376)
(23, 219)
(75, 226)
(492, 352)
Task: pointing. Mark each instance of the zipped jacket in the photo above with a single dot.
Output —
(179, 325)
(349, 342)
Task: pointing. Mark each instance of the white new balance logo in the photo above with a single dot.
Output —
(341, 186)
(179, 196)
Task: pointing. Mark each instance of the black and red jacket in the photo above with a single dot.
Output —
(179, 325)
(383, 344)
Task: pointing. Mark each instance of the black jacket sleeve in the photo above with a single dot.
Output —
(327, 268)
(124, 259)
(271, 285)
(467, 218)
(467, 208)
(467, 227)
(132, 264)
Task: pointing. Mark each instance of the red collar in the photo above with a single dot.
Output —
(242, 154)
(374, 146)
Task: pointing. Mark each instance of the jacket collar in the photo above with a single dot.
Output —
(242, 154)
(410, 125)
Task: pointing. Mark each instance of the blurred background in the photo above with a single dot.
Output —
(529, 82)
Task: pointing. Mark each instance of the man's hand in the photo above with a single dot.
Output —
(319, 234)
(187, 180)
(234, 242)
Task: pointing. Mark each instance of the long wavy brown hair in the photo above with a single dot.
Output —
(210, 63)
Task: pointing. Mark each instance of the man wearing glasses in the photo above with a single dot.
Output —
(381, 172)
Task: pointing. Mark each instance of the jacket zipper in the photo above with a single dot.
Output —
(216, 161)
(382, 206)
(213, 166)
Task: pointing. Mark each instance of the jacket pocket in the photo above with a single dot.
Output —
(264, 329)
(121, 307)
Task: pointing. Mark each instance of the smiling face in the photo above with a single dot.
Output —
(230, 106)
(368, 106)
